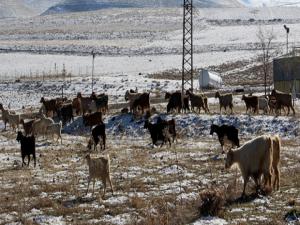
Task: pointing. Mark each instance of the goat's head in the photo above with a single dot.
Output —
(213, 129)
(42, 100)
(127, 93)
(19, 136)
(217, 95)
(167, 95)
(79, 95)
(229, 159)
(243, 97)
(87, 157)
(273, 93)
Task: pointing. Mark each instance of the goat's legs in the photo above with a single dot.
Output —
(276, 183)
(109, 180)
(246, 179)
(104, 186)
(34, 160)
(89, 180)
(94, 180)
(23, 161)
(28, 160)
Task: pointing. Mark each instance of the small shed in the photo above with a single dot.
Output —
(209, 79)
(286, 74)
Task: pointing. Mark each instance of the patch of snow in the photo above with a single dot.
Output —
(210, 221)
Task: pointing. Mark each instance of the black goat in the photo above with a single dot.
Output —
(158, 132)
(65, 113)
(171, 125)
(27, 147)
(229, 131)
(97, 133)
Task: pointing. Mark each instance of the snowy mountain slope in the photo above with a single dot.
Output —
(24, 8)
(14, 8)
(89, 5)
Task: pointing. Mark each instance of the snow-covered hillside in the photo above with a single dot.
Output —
(24, 8)
(89, 5)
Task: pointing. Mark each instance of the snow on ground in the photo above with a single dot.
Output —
(149, 182)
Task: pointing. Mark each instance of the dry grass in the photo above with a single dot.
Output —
(155, 188)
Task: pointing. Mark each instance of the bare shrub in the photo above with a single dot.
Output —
(212, 202)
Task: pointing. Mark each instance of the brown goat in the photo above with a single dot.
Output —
(198, 101)
(283, 99)
(50, 105)
(143, 102)
(85, 103)
(225, 100)
(92, 119)
(27, 126)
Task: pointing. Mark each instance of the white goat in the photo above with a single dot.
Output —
(55, 129)
(39, 127)
(99, 168)
(263, 104)
(254, 158)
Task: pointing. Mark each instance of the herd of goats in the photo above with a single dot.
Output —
(257, 159)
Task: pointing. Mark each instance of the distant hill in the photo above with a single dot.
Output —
(24, 8)
(14, 8)
(88, 5)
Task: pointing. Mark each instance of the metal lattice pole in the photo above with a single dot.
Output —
(187, 54)
(93, 66)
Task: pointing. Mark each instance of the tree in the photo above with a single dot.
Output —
(265, 40)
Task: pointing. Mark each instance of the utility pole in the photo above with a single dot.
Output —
(287, 29)
(93, 65)
(187, 54)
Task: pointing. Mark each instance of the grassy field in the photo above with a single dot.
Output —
(152, 186)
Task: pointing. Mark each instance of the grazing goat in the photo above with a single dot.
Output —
(283, 99)
(198, 101)
(27, 126)
(225, 101)
(39, 127)
(143, 102)
(158, 132)
(65, 113)
(99, 168)
(27, 147)
(50, 105)
(98, 135)
(76, 105)
(251, 102)
(131, 97)
(92, 119)
(175, 102)
(85, 103)
(55, 129)
(263, 104)
(226, 131)
(101, 102)
(171, 124)
(254, 159)
(9, 117)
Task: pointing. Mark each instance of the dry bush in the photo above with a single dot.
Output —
(212, 202)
